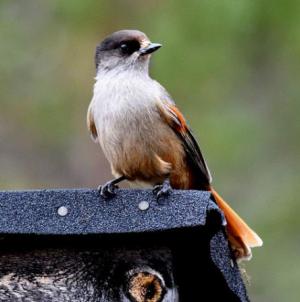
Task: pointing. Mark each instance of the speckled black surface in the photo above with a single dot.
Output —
(221, 256)
(36, 213)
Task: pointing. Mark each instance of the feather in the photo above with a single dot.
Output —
(241, 237)
(91, 124)
(177, 122)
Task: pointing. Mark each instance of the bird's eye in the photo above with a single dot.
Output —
(129, 47)
(124, 47)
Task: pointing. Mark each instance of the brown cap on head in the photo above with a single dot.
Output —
(115, 39)
(124, 43)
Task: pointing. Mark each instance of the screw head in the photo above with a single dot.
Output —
(62, 211)
(144, 205)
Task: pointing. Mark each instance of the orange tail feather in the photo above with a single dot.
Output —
(241, 237)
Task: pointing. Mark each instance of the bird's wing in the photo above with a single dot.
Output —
(240, 235)
(177, 122)
(91, 124)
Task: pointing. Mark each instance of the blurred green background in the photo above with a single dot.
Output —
(232, 66)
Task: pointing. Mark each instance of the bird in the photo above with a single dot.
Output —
(143, 134)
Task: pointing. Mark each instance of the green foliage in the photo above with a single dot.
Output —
(232, 66)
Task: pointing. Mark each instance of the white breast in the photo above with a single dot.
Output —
(124, 109)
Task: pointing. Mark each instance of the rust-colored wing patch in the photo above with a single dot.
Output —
(177, 122)
(91, 125)
(178, 118)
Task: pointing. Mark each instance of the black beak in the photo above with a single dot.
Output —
(149, 49)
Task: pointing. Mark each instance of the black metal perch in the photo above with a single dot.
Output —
(68, 245)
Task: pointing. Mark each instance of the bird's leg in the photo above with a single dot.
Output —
(108, 189)
(163, 189)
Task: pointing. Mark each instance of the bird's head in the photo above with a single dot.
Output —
(125, 50)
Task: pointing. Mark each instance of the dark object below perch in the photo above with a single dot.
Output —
(67, 245)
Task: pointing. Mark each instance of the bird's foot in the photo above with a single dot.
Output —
(164, 189)
(108, 190)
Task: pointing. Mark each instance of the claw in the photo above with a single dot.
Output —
(108, 190)
(162, 190)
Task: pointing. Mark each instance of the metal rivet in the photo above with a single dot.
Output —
(144, 205)
(231, 263)
(62, 211)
